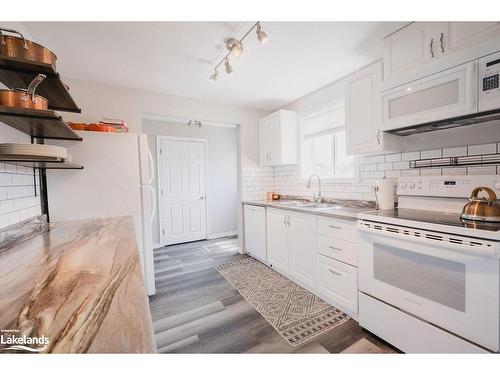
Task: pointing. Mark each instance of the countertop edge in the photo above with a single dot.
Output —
(346, 215)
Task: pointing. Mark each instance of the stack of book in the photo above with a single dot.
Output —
(119, 126)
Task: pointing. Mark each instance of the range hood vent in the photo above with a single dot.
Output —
(454, 122)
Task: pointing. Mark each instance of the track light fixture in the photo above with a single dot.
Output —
(214, 76)
(229, 68)
(194, 123)
(261, 35)
(235, 48)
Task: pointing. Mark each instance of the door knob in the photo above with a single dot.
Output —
(201, 198)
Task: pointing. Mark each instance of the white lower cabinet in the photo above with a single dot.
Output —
(302, 248)
(291, 245)
(312, 251)
(337, 284)
(277, 240)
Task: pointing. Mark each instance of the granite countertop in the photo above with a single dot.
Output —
(344, 209)
(79, 284)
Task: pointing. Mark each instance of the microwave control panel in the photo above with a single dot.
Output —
(489, 85)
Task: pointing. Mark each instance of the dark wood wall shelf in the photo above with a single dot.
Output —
(37, 123)
(18, 73)
(40, 164)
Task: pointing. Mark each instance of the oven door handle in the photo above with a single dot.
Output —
(493, 251)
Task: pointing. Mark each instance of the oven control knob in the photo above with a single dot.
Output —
(404, 184)
(412, 184)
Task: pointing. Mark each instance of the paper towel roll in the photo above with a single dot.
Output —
(384, 191)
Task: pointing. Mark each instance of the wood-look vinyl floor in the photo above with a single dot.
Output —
(195, 310)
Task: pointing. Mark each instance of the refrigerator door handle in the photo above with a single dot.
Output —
(151, 168)
(153, 200)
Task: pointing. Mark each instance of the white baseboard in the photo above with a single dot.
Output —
(214, 236)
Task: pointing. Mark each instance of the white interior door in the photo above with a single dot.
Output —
(182, 165)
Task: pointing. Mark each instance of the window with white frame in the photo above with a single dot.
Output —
(323, 145)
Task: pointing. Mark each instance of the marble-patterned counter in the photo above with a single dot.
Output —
(342, 209)
(81, 286)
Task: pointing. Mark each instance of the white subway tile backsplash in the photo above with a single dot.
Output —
(377, 174)
(429, 154)
(490, 148)
(377, 159)
(410, 155)
(454, 171)
(454, 151)
(392, 174)
(392, 158)
(384, 167)
(482, 170)
(400, 165)
(18, 199)
(410, 173)
(369, 167)
(288, 179)
(430, 172)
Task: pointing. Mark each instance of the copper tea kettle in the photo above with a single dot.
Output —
(482, 209)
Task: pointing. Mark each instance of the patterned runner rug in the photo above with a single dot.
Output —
(295, 313)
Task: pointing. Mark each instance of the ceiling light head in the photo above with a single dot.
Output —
(235, 46)
(214, 76)
(229, 69)
(261, 35)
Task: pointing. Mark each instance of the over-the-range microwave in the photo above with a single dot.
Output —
(463, 95)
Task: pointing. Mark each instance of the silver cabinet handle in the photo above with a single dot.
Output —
(335, 227)
(335, 273)
(335, 248)
(378, 136)
(431, 46)
(441, 39)
(288, 220)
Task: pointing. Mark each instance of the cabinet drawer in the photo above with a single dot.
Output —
(337, 228)
(337, 284)
(338, 249)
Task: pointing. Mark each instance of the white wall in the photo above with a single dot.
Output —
(222, 197)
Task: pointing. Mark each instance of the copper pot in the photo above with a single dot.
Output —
(482, 209)
(20, 48)
(25, 98)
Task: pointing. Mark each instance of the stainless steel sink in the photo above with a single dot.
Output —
(294, 203)
(321, 205)
(306, 204)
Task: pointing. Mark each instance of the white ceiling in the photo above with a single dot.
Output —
(178, 57)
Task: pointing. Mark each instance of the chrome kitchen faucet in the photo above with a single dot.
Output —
(316, 196)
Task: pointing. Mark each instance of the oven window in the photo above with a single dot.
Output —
(436, 279)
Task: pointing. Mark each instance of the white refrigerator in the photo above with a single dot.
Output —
(116, 181)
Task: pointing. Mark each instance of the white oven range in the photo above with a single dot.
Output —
(430, 282)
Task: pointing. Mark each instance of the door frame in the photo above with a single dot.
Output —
(159, 167)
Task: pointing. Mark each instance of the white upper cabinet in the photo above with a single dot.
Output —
(278, 139)
(363, 113)
(424, 48)
(408, 48)
(464, 34)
